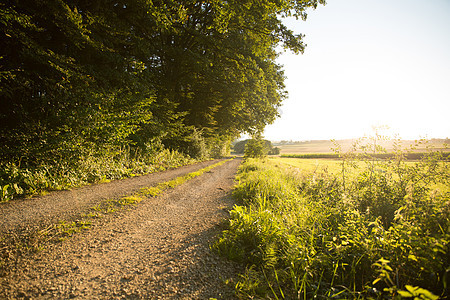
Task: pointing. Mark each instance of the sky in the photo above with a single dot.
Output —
(368, 63)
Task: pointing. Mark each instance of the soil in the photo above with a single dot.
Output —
(158, 249)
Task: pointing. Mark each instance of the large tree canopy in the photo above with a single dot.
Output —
(78, 74)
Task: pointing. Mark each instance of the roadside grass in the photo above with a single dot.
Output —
(36, 241)
(17, 180)
(341, 235)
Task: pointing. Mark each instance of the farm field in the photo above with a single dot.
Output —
(310, 165)
(334, 167)
(306, 147)
(325, 146)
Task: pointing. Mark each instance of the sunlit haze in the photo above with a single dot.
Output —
(368, 62)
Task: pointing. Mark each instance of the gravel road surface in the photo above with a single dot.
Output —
(158, 249)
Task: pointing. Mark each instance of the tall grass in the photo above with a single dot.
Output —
(113, 163)
(379, 234)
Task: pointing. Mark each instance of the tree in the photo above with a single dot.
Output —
(68, 85)
(274, 151)
(254, 148)
(81, 76)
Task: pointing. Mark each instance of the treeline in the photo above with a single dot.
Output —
(81, 76)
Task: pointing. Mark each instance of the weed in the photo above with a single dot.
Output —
(129, 200)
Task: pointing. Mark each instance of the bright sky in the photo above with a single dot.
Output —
(368, 62)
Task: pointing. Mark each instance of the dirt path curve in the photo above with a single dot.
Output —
(156, 250)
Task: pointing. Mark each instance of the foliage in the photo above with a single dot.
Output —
(382, 233)
(219, 147)
(239, 147)
(192, 144)
(255, 148)
(81, 80)
(274, 151)
(17, 181)
(78, 77)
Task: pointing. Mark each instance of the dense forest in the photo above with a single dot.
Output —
(99, 78)
(80, 75)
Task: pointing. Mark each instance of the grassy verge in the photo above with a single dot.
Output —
(319, 235)
(18, 181)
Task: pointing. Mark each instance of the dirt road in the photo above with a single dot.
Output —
(158, 249)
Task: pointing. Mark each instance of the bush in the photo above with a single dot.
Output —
(274, 151)
(192, 144)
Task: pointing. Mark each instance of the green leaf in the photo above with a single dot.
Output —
(412, 257)
(411, 289)
(383, 261)
(405, 294)
(427, 294)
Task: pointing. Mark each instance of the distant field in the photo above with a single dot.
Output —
(310, 165)
(307, 165)
(334, 166)
(306, 147)
(325, 146)
(415, 155)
